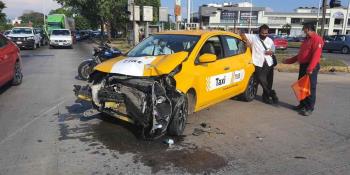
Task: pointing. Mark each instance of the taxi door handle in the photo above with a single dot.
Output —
(227, 68)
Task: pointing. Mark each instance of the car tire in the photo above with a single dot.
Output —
(39, 45)
(191, 99)
(179, 119)
(17, 76)
(344, 50)
(251, 90)
(329, 51)
(85, 69)
(34, 46)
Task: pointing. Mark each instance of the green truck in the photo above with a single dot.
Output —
(59, 21)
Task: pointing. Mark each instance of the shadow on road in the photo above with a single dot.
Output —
(5, 87)
(104, 134)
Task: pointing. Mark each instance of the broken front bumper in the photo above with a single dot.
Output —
(143, 102)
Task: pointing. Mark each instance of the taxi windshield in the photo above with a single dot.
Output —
(164, 45)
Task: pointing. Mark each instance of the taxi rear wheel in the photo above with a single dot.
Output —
(250, 92)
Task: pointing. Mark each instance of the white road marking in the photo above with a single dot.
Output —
(40, 115)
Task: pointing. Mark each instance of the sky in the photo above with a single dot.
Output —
(16, 8)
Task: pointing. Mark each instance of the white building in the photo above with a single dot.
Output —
(16, 21)
(244, 16)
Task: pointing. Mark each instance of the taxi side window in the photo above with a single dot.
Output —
(233, 46)
(212, 46)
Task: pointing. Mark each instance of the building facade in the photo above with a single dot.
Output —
(244, 16)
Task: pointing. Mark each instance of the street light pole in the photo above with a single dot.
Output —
(133, 24)
(318, 14)
(324, 2)
(250, 16)
(346, 19)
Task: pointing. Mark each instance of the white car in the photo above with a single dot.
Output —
(61, 38)
(25, 37)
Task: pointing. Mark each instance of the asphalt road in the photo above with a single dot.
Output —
(43, 130)
(335, 54)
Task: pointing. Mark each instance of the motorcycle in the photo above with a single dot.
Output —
(100, 54)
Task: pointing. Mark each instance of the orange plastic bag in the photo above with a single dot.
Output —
(301, 88)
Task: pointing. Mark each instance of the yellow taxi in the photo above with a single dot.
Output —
(170, 75)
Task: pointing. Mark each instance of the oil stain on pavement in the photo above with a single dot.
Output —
(116, 135)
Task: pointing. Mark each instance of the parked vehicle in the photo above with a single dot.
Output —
(100, 54)
(280, 43)
(25, 37)
(10, 62)
(338, 43)
(61, 38)
(59, 21)
(168, 76)
(6, 33)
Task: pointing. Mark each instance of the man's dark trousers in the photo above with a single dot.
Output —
(264, 76)
(309, 102)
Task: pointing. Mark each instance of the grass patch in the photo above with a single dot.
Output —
(121, 44)
(327, 64)
(294, 44)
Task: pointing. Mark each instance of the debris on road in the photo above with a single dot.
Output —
(260, 138)
(299, 157)
(169, 142)
(206, 128)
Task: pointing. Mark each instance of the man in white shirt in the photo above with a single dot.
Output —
(262, 50)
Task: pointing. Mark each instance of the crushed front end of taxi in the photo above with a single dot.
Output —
(150, 102)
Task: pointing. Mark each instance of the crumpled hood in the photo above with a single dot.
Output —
(60, 37)
(143, 66)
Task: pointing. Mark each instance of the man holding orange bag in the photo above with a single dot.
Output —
(308, 57)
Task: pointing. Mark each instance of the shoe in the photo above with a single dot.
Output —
(274, 97)
(298, 108)
(306, 112)
(267, 100)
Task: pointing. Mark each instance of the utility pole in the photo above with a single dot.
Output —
(324, 2)
(346, 19)
(133, 24)
(318, 15)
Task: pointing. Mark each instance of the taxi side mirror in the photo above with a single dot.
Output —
(207, 58)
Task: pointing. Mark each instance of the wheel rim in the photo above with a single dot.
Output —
(345, 50)
(86, 71)
(251, 88)
(182, 115)
(18, 72)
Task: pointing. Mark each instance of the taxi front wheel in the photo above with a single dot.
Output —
(250, 92)
(178, 122)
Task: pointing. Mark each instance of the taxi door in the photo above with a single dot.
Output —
(213, 80)
(234, 50)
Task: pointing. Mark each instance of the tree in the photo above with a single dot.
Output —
(2, 15)
(81, 23)
(66, 11)
(109, 13)
(286, 29)
(36, 18)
